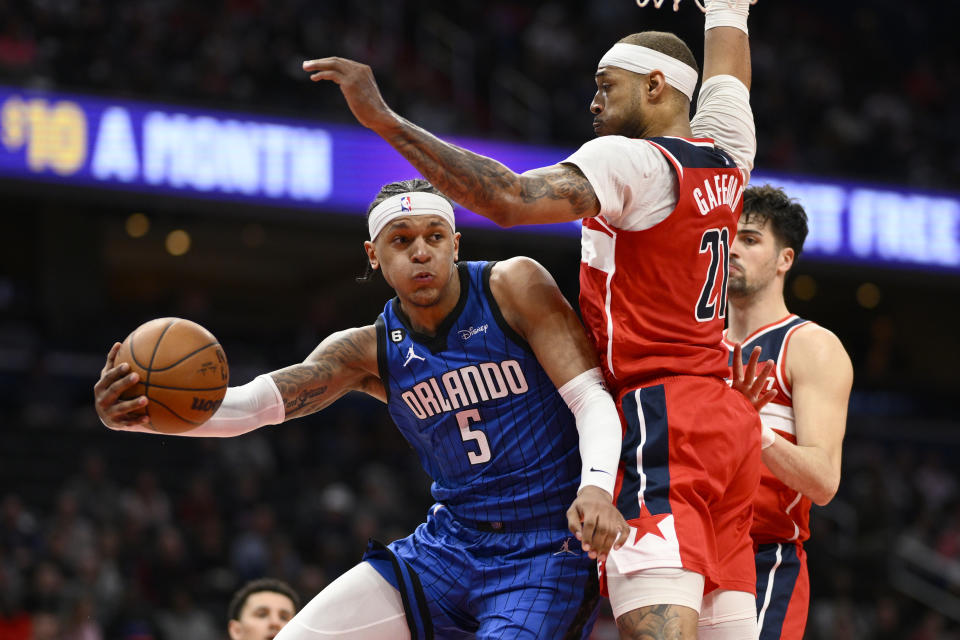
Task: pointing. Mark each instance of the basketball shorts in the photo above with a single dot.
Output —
(783, 591)
(457, 581)
(689, 470)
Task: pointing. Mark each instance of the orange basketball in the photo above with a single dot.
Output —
(183, 372)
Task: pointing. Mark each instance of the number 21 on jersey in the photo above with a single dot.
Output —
(713, 300)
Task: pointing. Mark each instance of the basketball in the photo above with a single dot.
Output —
(183, 372)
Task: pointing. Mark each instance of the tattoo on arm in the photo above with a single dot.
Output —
(564, 182)
(478, 182)
(332, 370)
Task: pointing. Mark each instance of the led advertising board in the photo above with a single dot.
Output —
(305, 164)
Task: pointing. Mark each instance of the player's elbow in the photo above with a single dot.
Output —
(825, 491)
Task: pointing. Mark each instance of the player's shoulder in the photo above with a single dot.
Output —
(518, 272)
(813, 346)
(809, 334)
(615, 144)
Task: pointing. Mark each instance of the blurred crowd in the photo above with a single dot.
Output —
(840, 89)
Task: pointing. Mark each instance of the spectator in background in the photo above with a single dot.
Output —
(260, 609)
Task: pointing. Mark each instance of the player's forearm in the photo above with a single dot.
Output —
(476, 182)
(726, 45)
(307, 388)
(806, 469)
(599, 427)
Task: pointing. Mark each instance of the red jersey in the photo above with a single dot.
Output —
(654, 299)
(780, 514)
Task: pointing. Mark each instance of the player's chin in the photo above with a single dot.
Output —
(424, 296)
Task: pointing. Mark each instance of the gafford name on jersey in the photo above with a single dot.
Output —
(725, 189)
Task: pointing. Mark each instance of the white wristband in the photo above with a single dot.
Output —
(244, 408)
(727, 13)
(767, 436)
(599, 427)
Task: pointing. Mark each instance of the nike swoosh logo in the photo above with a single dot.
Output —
(600, 471)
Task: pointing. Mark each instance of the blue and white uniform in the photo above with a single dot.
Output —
(494, 558)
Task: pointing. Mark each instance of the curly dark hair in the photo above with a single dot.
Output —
(256, 586)
(788, 220)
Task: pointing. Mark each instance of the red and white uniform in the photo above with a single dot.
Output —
(781, 519)
(653, 297)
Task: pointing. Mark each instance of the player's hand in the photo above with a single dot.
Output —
(750, 381)
(596, 522)
(358, 86)
(117, 414)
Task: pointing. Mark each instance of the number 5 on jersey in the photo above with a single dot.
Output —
(711, 303)
(466, 433)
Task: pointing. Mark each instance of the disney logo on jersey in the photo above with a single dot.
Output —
(726, 189)
(464, 387)
(466, 334)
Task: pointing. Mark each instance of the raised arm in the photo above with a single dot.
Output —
(821, 375)
(345, 361)
(559, 193)
(726, 46)
(534, 307)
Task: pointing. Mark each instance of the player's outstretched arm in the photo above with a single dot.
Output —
(559, 193)
(533, 305)
(821, 376)
(345, 361)
(726, 45)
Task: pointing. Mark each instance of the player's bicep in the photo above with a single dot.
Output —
(535, 308)
(345, 361)
(559, 193)
(822, 376)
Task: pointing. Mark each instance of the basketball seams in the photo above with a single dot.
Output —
(192, 353)
(195, 423)
(169, 388)
(156, 347)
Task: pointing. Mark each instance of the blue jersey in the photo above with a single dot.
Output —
(473, 401)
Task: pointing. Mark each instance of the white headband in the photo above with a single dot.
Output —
(643, 60)
(413, 203)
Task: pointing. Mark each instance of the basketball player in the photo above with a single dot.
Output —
(469, 358)
(659, 196)
(260, 608)
(804, 424)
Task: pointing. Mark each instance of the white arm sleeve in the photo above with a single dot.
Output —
(636, 186)
(724, 114)
(599, 427)
(244, 408)
(251, 406)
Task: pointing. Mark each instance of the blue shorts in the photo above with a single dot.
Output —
(460, 582)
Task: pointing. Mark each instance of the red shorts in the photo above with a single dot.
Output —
(689, 471)
(783, 591)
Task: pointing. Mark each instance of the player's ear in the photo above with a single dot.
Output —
(235, 629)
(785, 259)
(371, 254)
(456, 246)
(655, 84)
